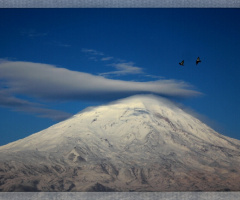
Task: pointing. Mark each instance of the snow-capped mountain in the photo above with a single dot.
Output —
(141, 143)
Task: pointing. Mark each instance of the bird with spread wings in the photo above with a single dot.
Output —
(198, 60)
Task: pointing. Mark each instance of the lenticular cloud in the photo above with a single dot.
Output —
(52, 83)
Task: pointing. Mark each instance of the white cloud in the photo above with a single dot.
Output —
(47, 82)
(124, 69)
(106, 58)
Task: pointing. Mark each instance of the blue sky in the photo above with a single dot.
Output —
(56, 62)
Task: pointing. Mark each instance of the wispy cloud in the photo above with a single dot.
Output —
(16, 104)
(56, 115)
(123, 69)
(92, 52)
(106, 58)
(154, 76)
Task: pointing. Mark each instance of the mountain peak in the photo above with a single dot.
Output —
(135, 143)
(147, 100)
(136, 103)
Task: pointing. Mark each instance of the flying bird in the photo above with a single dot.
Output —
(198, 60)
(182, 63)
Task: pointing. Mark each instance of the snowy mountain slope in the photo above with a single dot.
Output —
(141, 143)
